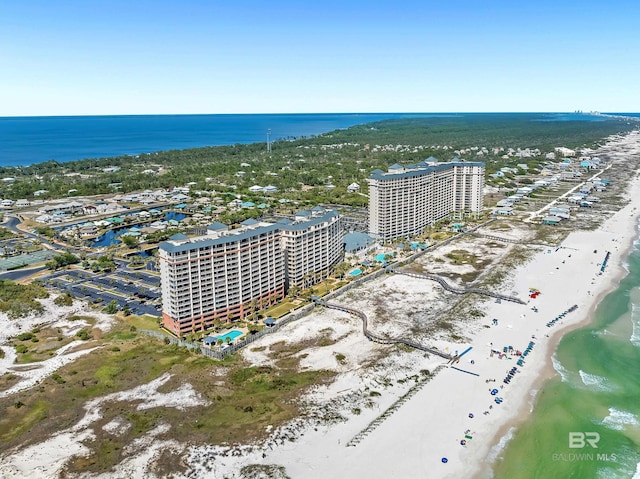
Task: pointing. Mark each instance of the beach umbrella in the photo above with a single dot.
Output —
(471, 415)
(445, 460)
(494, 392)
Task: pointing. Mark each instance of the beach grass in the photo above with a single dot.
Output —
(242, 399)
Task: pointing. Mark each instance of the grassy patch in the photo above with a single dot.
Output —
(22, 422)
(281, 309)
(243, 399)
(38, 345)
(143, 322)
(459, 256)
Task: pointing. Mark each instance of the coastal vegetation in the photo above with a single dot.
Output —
(301, 169)
(18, 300)
(242, 400)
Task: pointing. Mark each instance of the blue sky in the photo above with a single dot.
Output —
(84, 57)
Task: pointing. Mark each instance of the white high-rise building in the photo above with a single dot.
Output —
(405, 200)
(312, 244)
(226, 273)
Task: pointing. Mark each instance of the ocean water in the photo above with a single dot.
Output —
(28, 140)
(595, 393)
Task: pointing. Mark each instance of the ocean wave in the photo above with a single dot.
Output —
(611, 473)
(595, 382)
(619, 420)
(635, 325)
(532, 399)
(603, 332)
(495, 451)
(560, 369)
(637, 474)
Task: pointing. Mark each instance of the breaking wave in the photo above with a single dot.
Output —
(619, 420)
(595, 382)
(560, 369)
(502, 443)
(635, 325)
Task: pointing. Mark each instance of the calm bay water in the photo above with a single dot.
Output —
(597, 391)
(29, 140)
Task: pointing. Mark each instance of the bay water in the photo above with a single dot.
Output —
(29, 140)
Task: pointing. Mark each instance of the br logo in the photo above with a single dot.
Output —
(578, 440)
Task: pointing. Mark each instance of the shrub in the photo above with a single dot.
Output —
(25, 336)
(83, 334)
(63, 300)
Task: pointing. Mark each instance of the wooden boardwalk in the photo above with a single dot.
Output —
(381, 339)
(452, 289)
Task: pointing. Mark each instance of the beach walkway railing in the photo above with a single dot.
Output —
(381, 339)
(452, 289)
(510, 240)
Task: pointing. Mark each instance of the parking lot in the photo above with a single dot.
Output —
(139, 290)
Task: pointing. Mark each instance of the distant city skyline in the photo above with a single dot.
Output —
(146, 57)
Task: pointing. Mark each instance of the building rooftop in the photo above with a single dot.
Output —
(397, 171)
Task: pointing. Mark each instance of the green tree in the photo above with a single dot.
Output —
(129, 241)
(112, 307)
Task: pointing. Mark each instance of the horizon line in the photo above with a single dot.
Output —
(590, 112)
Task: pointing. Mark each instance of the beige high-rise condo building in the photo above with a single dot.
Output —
(226, 274)
(406, 199)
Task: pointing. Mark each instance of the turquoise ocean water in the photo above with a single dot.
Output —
(594, 400)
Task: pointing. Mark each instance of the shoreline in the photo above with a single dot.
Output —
(504, 435)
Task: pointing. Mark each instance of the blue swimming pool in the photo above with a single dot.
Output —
(231, 335)
(382, 257)
(355, 272)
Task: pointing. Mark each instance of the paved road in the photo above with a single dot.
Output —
(12, 223)
(21, 273)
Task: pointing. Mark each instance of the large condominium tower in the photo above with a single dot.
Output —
(405, 200)
(312, 243)
(225, 274)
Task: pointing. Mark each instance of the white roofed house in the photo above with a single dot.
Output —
(353, 187)
(7, 203)
(179, 197)
(22, 203)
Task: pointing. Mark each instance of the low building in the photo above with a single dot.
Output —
(356, 242)
(551, 220)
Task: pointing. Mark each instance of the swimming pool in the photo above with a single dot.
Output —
(355, 272)
(382, 257)
(231, 335)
